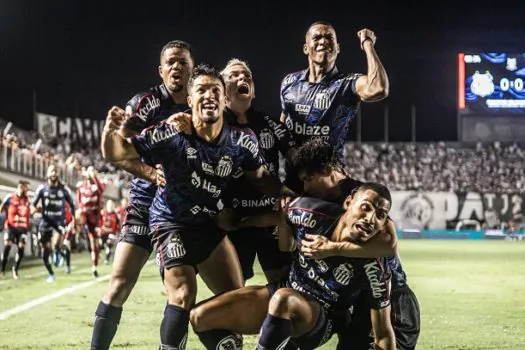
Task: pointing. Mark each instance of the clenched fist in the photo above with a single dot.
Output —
(115, 118)
(365, 35)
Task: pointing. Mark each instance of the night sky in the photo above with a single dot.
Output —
(83, 57)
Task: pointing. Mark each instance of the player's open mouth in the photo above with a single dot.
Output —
(323, 49)
(363, 228)
(243, 89)
(176, 76)
(209, 107)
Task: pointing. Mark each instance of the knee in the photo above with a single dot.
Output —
(197, 319)
(119, 289)
(181, 295)
(281, 303)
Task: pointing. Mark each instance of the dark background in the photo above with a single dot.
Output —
(82, 57)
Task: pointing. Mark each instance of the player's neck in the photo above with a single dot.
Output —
(208, 132)
(337, 235)
(240, 110)
(179, 97)
(317, 71)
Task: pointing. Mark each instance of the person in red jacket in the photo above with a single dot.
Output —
(89, 196)
(109, 228)
(17, 206)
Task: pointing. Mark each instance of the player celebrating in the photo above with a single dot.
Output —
(321, 101)
(198, 167)
(17, 224)
(241, 195)
(134, 247)
(317, 165)
(89, 196)
(316, 290)
(52, 197)
(109, 228)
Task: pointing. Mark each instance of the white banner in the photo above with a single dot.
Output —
(51, 126)
(423, 210)
(432, 210)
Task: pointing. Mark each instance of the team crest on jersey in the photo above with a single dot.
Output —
(60, 194)
(225, 167)
(322, 100)
(175, 249)
(343, 273)
(266, 139)
(235, 202)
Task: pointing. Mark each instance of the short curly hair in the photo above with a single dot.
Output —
(315, 156)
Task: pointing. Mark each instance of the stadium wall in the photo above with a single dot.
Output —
(415, 210)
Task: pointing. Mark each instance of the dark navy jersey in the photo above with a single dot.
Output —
(196, 171)
(142, 111)
(322, 110)
(53, 201)
(399, 278)
(334, 281)
(273, 137)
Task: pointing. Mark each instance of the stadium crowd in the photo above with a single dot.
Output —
(439, 166)
(71, 157)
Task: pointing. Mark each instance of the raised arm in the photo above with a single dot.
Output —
(374, 86)
(114, 146)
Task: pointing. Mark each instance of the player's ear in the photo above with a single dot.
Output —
(337, 48)
(190, 104)
(160, 72)
(347, 202)
(305, 49)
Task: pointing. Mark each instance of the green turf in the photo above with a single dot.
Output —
(472, 296)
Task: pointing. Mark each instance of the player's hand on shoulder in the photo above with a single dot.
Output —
(366, 36)
(181, 121)
(115, 118)
(317, 247)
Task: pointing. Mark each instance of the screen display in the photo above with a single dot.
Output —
(491, 83)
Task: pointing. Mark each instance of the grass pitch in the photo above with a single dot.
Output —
(472, 296)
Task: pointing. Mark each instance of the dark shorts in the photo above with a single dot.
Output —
(177, 246)
(16, 235)
(135, 228)
(322, 331)
(405, 317)
(45, 234)
(262, 242)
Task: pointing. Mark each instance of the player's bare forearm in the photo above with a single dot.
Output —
(374, 86)
(383, 244)
(138, 168)
(115, 147)
(384, 336)
(268, 219)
